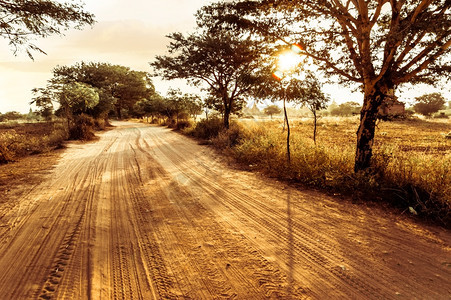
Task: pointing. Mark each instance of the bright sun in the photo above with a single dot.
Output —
(288, 60)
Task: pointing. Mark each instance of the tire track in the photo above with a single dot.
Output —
(144, 213)
(321, 253)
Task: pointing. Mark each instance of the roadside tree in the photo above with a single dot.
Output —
(223, 63)
(376, 44)
(119, 88)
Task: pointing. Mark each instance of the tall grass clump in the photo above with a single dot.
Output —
(82, 128)
(183, 125)
(207, 128)
(265, 148)
(421, 182)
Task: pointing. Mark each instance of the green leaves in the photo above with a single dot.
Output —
(21, 20)
(118, 88)
(429, 103)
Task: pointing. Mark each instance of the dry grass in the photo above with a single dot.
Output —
(411, 162)
(29, 138)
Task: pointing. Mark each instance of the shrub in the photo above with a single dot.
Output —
(82, 128)
(6, 153)
(228, 138)
(422, 182)
(58, 135)
(100, 124)
(183, 124)
(208, 128)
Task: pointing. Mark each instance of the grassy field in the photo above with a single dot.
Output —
(22, 139)
(411, 162)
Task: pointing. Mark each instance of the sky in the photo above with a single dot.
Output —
(129, 33)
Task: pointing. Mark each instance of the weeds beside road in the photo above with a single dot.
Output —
(18, 140)
(411, 163)
(22, 139)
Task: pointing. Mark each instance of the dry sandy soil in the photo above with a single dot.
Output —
(145, 213)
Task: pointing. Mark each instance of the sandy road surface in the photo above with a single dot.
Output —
(145, 213)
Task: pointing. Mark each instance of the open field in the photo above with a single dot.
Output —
(415, 136)
(146, 213)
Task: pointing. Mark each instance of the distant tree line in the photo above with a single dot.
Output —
(14, 116)
(103, 90)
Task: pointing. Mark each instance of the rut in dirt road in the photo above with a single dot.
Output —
(145, 213)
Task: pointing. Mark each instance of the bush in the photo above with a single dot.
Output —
(100, 124)
(181, 125)
(429, 103)
(82, 128)
(228, 138)
(208, 128)
(58, 135)
(6, 153)
(14, 145)
(418, 181)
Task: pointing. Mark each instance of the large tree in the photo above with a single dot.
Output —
(119, 88)
(23, 20)
(429, 103)
(223, 63)
(378, 44)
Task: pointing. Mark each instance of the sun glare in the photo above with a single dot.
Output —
(288, 60)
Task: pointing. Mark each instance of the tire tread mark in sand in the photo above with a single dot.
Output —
(211, 276)
(161, 281)
(64, 254)
(51, 231)
(122, 282)
(306, 248)
(321, 252)
(269, 278)
(67, 262)
(325, 262)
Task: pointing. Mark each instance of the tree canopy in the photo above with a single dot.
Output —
(223, 63)
(118, 88)
(23, 20)
(377, 44)
(271, 110)
(429, 103)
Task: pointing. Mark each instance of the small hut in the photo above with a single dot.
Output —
(392, 107)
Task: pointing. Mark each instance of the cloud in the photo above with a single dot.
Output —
(125, 37)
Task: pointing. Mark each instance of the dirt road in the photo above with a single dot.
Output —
(145, 213)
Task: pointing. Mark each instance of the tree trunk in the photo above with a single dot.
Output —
(314, 126)
(288, 127)
(227, 111)
(226, 118)
(118, 111)
(374, 97)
